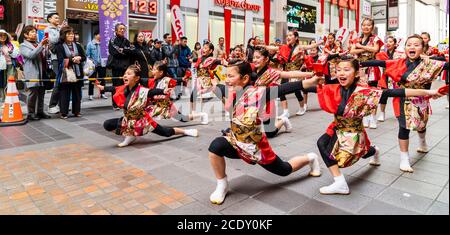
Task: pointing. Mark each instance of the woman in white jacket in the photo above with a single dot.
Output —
(8, 52)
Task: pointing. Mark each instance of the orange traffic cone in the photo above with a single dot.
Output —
(12, 111)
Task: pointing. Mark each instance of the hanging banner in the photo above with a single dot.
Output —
(267, 10)
(393, 15)
(35, 8)
(177, 22)
(227, 19)
(111, 12)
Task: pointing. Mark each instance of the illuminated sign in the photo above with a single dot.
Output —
(243, 5)
(144, 7)
(85, 5)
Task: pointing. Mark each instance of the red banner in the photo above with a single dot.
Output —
(322, 11)
(267, 21)
(227, 19)
(173, 3)
(341, 17)
(358, 3)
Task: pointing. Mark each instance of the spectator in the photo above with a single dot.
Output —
(119, 56)
(197, 51)
(8, 52)
(170, 54)
(220, 49)
(53, 35)
(185, 62)
(15, 41)
(34, 68)
(77, 40)
(141, 54)
(250, 50)
(70, 55)
(157, 53)
(94, 53)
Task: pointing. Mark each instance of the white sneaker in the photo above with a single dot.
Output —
(128, 140)
(302, 111)
(382, 117)
(53, 110)
(373, 122)
(287, 124)
(314, 165)
(204, 118)
(218, 196)
(91, 97)
(191, 132)
(104, 97)
(340, 188)
(366, 122)
(375, 161)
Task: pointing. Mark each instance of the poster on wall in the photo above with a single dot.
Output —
(35, 8)
(111, 12)
(2, 12)
(302, 17)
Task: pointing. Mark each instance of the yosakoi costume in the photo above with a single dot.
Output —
(387, 55)
(346, 140)
(412, 113)
(137, 120)
(291, 62)
(370, 76)
(205, 67)
(163, 108)
(245, 140)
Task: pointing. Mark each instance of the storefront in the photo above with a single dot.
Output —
(82, 15)
(207, 19)
(143, 16)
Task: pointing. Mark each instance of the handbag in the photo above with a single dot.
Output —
(69, 76)
(20, 76)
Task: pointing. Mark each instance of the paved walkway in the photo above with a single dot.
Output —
(73, 167)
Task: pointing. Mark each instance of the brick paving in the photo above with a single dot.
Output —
(79, 179)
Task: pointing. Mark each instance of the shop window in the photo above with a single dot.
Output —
(191, 30)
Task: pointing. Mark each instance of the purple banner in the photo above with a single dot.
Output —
(111, 12)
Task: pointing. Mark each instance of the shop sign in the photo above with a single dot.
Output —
(50, 7)
(177, 21)
(144, 7)
(2, 12)
(393, 15)
(84, 5)
(367, 8)
(35, 8)
(351, 4)
(243, 5)
(148, 34)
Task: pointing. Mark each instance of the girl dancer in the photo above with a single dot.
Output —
(164, 108)
(367, 46)
(291, 57)
(390, 54)
(245, 140)
(268, 77)
(346, 140)
(135, 100)
(412, 113)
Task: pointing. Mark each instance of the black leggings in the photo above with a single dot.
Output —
(221, 147)
(114, 124)
(384, 100)
(298, 93)
(403, 133)
(270, 129)
(326, 144)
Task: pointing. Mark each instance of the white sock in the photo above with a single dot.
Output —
(340, 179)
(218, 196)
(405, 165)
(314, 164)
(128, 140)
(191, 132)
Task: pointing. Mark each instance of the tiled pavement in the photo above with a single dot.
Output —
(49, 177)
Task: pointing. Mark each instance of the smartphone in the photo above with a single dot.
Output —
(46, 35)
